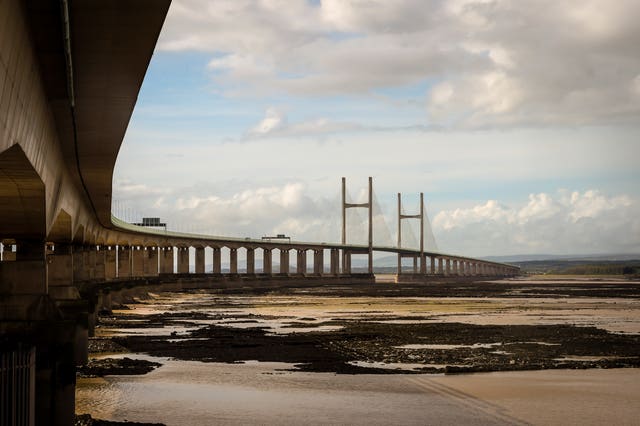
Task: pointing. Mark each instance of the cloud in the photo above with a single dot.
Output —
(492, 62)
(563, 222)
(276, 124)
(252, 213)
(574, 223)
(273, 121)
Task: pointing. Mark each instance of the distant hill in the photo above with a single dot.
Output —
(570, 257)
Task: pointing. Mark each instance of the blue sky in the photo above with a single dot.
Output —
(523, 133)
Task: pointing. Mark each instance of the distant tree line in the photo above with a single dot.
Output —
(573, 267)
(599, 270)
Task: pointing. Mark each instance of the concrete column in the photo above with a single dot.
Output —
(151, 261)
(251, 261)
(415, 264)
(433, 264)
(166, 260)
(440, 266)
(233, 260)
(335, 261)
(124, 262)
(267, 261)
(302, 262)
(455, 266)
(110, 263)
(100, 264)
(183, 260)
(60, 266)
(60, 273)
(346, 262)
(284, 261)
(138, 255)
(79, 272)
(318, 262)
(217, 260)
(199, 260)
(448, 266)
(90, 262)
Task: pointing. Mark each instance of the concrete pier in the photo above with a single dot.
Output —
(124, 262)
(251, 261)
(335, 262)
(233, 260)
(267, 261)
(318, 262)
(183, 260)
(200, 260)
(301, 265)
(166, 260)
(284, 261)
(138, 255)
(217, 260)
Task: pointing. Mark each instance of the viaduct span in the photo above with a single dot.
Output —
(70, 73)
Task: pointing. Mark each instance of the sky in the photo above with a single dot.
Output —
(519, 120)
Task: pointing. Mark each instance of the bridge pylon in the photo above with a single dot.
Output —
(346, 259)
(420, 216)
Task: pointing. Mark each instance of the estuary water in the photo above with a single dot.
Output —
(251, 392)
(195, 393)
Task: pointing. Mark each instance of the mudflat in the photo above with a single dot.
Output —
(387, 328)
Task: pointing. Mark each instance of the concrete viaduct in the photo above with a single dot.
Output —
(70, 73)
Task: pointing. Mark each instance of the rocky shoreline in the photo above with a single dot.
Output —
(87, 420)
(116, 366)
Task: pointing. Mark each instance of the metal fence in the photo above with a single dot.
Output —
(17, 387)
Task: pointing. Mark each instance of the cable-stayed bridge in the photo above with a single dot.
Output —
(147, 252)
(70, 74)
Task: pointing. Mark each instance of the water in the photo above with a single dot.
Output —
(195, 393)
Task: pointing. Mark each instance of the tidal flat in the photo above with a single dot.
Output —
(352, 339)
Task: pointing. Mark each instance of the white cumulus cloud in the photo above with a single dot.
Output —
(576, 223)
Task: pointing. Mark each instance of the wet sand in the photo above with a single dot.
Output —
(303, 336)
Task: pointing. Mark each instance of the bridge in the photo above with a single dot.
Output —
(70, 73)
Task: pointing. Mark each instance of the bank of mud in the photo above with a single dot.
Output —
(383, 344)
